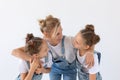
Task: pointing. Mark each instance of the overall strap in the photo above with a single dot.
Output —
(28, 64)
(62, 48)
(99, 55)
(51, 53)
(75, 49)
(46, 60)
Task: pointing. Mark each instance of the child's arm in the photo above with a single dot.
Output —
(22, 76)
(19, 52)
(92, 76)
(33, 66)
(27, 76)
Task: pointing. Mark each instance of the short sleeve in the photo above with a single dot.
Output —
(23, 68)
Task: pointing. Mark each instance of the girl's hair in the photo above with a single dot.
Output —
(48, 23)
(89, 35)
(33, 44)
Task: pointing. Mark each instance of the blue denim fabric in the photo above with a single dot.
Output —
(82, 75)
(61, 67)
(85, 76)
(35, 77)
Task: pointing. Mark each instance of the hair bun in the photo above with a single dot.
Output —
(42, 23)
(89, 27)
(29, 37)
(96, 39)
(49, 17)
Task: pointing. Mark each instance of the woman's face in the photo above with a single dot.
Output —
(43, 50)
(55, 36)
(79, 42)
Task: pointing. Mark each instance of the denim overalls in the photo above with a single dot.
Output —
(35, 76)
(82, 75)
(61, 67)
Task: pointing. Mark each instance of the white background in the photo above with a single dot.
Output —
(19, 17)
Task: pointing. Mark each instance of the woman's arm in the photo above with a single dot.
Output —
(45, 70)
(89, 60)
(42, 70)
(92, 76)
(19, 52)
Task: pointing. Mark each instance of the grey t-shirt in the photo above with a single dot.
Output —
(70, 52)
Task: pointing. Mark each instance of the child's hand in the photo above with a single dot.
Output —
(34, 63)
(39, 69)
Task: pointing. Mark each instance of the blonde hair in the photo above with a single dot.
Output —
(48, 24)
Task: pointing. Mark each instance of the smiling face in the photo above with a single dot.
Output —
(55, 36)
(79, 42)
(51, 29)
(86, 38)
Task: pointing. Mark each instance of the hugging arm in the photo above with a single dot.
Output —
(89, 60)
(20, 53)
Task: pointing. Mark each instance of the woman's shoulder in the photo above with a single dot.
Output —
(68, 38)
(69, 41)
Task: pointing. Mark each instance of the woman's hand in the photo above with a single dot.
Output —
(89, 60)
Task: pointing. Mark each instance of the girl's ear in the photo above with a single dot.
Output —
(87, 47)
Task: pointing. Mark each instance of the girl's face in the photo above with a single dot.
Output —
(55, 36)
(79, 42)
(43, 50)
